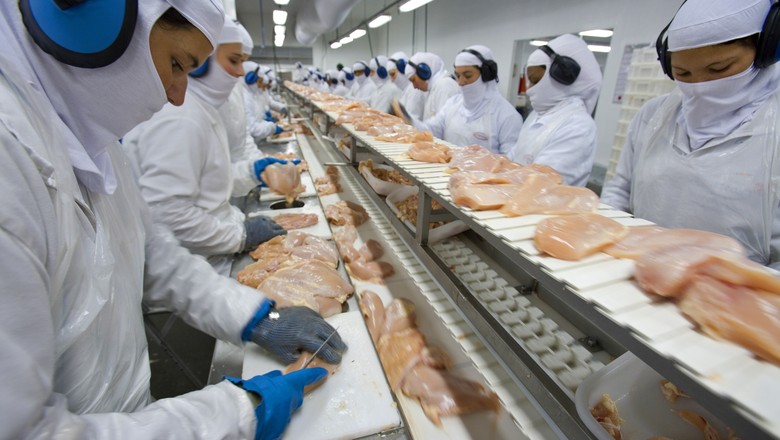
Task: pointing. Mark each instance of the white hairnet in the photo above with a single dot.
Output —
(706, 22)
(588, 82)
(431, 59)
(101, 105)
(246, 40)
(231, 32)
(469, 59)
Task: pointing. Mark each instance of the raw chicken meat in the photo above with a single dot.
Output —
(345, 238)
(574, 237)
(737, 270)
(283, 179)
(286, 250)
(540, 194)
(296, 221)
(480, 190)
(364, 124)
(374, 312)
(606, 413)
(738, 314)
(645, 239)
(371, 271)
(478, 158)
(316, 363)
(310, 247)
(429, 152)
(255, 273)
(371, 250)
(329, 183)
(301, 284)
(348, 116)
(406, 137)
(387, 129)
(346, 213)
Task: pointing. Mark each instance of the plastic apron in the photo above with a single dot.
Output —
(534, 144)
(730, 187)
(459, 131)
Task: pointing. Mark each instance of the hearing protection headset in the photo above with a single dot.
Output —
(488, 70)
(422, 70)
(563, 69)
(767, 49)
(252, 77)
(367, 71)
(203, 69)
(350, 76)
(400, 64)
(81, 33)
(381, 71)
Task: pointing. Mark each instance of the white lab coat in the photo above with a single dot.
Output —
(383, 95)
(256, 124)
(413, 101)
(496, 129)
(76, 266)
(341, 90)
(728, 186)
(564, 138)
(185, 177)
(441, 88)
(354, 91)
(366, 91)
(243, 150)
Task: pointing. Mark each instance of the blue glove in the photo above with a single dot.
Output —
(261, 164)
(268, 117)
(281, 396)
(278, 130)
(259, 230)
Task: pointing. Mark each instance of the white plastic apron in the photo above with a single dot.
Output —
(534, 144)
(463, 133)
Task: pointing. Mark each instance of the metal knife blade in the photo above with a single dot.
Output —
(314, 355)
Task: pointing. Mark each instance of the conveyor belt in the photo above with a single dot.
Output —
(725, 378)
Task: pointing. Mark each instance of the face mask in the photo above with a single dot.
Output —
(545, 94)
(473, 93)
(215, 86)
(360, 79)
(713, 109)
(375, 78)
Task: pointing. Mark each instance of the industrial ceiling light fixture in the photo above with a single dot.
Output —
(597, 33)
(357, 33)
(282, 2)
(411, 5)
(379, 21)
(335, 45)
(280, 17)
(538, 43)
(599, 48)
(346, 40)
(279, 30)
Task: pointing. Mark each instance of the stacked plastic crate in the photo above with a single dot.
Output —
(645, 81)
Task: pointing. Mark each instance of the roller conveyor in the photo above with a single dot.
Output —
(596, 294)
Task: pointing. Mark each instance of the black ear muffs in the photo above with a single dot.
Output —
(251, 77)
(563, 69)
(381, 71)
(488, 70)
(422, 70)
(400, 64)
(202, 70)
(81, 33)
(768, 47)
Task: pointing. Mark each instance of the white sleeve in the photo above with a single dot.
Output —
(174, 153)
(509, 123)
(256, 124)
(437, 123)
(244, 179)
(570, 150)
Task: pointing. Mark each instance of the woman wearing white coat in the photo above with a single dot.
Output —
(386, 90)
(412, 99)
(706, 155)
(345, 78)
(364, 88)
(564, 86)
(427, 73)
(258, 121)
(80, 251)
(186, 175)
(478, 114)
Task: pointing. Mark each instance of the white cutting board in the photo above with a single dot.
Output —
(354, 402)
(267, 195)
(312, 206)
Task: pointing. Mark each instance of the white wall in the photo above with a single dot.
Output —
(455, 24)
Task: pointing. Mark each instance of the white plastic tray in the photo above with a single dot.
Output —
(636, 390)
(450, 229)
(382, 187)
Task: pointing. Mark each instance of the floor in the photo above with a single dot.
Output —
(181, 364)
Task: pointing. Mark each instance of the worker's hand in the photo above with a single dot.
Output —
(269, 117)
(284, 111)
(259, 230)
(261, 164)
(281, 395)
(288, 331)
(278, 129)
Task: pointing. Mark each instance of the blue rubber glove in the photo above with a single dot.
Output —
(269, 117)
(259, 230)
(281, 396)
(261, 164)
(278, 130)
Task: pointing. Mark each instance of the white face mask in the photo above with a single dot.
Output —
(713, 109)
(545, 94)
(375, 78)
(215, 86)
(360, 79)
(473, 94)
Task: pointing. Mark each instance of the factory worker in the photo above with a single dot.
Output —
(345, 78)
(706, 155)
(274, 102)
(564, 83)
(298, 73)
(478, 114)
(412, 99)
(80, 251)
(364, 88)
(386, 90)
(426, 72)
(331, 78)
(184, 164)
(259, 122)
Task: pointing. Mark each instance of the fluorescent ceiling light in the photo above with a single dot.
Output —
(280, 17)
(598, 48)
(598, 33)
(379, 21)
(278, 43)
(279, 29)
(335, 45)
(538, 43)
(346, 40)
(357, 33)
(282, 2)
(412, 5)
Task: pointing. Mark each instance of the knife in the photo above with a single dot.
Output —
(314, 355)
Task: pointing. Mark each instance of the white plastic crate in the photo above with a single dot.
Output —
(654, 87)
(644, 70)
